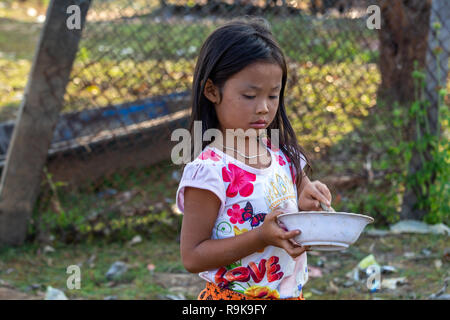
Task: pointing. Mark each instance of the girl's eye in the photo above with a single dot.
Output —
(252, 97)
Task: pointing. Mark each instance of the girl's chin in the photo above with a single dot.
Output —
(247, 133)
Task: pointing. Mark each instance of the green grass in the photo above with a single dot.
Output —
(49, 269)
(78, 214)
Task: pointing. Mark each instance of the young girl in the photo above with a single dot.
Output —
(231, 195)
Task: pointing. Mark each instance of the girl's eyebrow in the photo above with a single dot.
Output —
(258, 88)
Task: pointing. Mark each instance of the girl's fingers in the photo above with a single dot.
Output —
(310, 203)
(324, 189)
(294, 250)
(276, 213)
(290, 234)
(272, 216)
(317, 194)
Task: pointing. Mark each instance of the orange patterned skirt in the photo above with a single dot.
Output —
(214, 292)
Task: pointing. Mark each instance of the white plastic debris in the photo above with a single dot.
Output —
(176, 175)
(388, 269)
(392, 283)
(414, 226)
(48, 249)
(54, 294)
(116, 270)
(136, 239)
(367, 261)
(178, 296)
(377, 232)
(441, 295)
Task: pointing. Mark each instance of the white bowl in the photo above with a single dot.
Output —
(325, 231)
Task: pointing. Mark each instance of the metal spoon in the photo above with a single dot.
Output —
(328, 209)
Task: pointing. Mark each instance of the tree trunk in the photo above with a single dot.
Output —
(436, 77)
(37, 118)
(402, 36)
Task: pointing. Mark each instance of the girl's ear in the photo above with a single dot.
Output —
(211, 92)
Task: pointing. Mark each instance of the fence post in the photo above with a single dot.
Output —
(440, 12)
(37, 117)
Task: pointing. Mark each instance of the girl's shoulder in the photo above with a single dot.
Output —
(205, 166)
(202, 173)
(207, 160)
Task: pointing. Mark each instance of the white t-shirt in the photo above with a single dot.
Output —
(247, 194)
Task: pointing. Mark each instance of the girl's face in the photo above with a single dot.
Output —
(249, 96)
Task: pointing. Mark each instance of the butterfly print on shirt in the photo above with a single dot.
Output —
(248, 214)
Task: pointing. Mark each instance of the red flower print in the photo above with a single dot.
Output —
(209, 154)
(240, 181)
(236, 214)
(280, 160)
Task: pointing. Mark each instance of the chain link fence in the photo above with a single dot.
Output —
(109, 171)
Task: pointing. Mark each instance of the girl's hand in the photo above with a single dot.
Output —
(270, 233)
(312, 193)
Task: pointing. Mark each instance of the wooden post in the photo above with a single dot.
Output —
(37, 118)
(440, 13)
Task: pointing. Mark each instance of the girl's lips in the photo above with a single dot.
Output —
(258, 125)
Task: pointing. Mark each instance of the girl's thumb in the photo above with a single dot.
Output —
(277, 211)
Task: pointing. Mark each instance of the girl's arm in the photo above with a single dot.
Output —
(310, 193)
(200, 253)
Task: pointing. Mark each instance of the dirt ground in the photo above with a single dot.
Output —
(7, 293)
(420, 263)
(179, 284)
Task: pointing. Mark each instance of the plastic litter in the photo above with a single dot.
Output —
(388, 269)
(54, 294)
(176, 175)
(136, 239)
(393, 283)
(414, 226)
(437, 264)
(315, 291)
(373, 285)
(348, 284)
(377, 232)
(353, 274)
(320, 263)
(441, 295)
(178, 296)
(367, 261)
(116, 270)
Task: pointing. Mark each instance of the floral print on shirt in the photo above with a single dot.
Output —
(240, 181)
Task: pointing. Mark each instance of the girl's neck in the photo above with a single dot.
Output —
(239, 145)
(241, 142)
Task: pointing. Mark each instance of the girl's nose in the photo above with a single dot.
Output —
(263, 107)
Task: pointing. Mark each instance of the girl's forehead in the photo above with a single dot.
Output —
(259, 75)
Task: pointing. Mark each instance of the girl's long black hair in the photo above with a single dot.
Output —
(228, 50)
